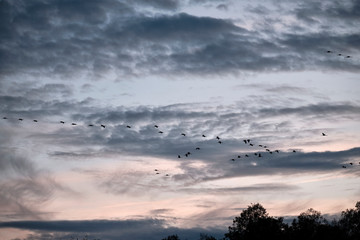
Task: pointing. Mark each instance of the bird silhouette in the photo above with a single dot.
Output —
(294, 151)
(90, 125)
(102, 125)
(347, 56)
(20, 119)
(251, 144)
(351, 163)
(277, 151)
(73, 124)
(220, 142)
(260, 155)
(156, 126)
(343, 166)
(179, 156)
(203, 135)
(246, 155)
(197, 148)
(260, 145)
(328, 51)
(62, 122)
(217, 137)
(239, 156)
(183, 134)
(161, 132)
(245, 141)
(323, 134)
(35, 120)
(128, 126)
(339, 54)
(232, 159)
(4, 117)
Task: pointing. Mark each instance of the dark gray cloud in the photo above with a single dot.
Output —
(315, 11)
(318, 110)
(68, 39)
(264, 125)
(152, 229)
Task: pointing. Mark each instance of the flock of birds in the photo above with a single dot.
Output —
(249, 142)
(339, 54)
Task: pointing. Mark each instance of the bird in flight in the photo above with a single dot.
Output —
(197, 148)
(102, 125)
(128, 126)
(62, 122)
(73, 124)
(217, 137)
(90, 125)
(203, 135)
(20, 119)
(323, 134)
(161, 132)
(35, 120)
(156, 126)
(183, 134)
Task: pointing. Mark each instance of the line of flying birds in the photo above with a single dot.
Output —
(249, 142)
(339, 54)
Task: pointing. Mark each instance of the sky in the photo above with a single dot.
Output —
(237, 70)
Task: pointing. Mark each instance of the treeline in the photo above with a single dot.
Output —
(254, 223)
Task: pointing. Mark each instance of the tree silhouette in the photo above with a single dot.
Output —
(206, 237)
(350, 222)
(255, 223)
(312, 225)
(171, 237)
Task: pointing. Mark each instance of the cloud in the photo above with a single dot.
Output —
(323, 10)
(23, 187)
(152, 229)
(71, 40)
